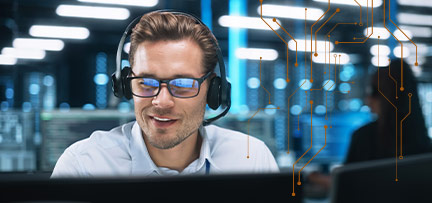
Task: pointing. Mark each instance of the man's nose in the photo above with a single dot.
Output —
(164, 99)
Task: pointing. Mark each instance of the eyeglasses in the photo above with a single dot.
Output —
(178, 87)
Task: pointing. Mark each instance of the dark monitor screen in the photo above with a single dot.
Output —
(374, 181)
(61, 129)
(213, 188)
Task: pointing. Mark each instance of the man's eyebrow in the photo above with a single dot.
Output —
(154, 76)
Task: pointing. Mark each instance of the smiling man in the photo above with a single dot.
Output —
(173, 58)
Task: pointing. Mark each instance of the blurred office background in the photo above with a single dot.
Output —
(55, 69)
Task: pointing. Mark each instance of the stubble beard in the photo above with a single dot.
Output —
(160, 138)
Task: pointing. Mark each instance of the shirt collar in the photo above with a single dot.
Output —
(142, 164)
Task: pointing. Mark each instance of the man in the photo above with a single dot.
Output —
(172, 59)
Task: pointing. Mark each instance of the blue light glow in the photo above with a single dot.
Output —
(320, 109)
(34, 89)
(343, 105)
(365, 108)
(344, 88)
(253, 83)
(307, 84)
(124, 107)
(4, 106)
(279, 84)
(9, 93)
(48, 80)
(26, 107)
(101, 79)
(270, 109)
(355, 104)
(88, 107)
(64, 107)
(329, 85)
(295, 109)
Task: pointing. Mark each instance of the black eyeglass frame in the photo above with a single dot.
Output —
(200, 81)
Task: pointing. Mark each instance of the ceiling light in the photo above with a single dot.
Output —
(143, 3)
(322, 58)
(59, 32)
(364, 3)
(290, 12)
(422, 3)
(377, 31)
(397, 51)
(401, 37)
(7, 60)
(255, 54)
(384, 50)
(383, 61)
(23, 53)
(93, 12)
(43, 44)
(247, 22)
(322, 45)
(418, 31)
(414, 19)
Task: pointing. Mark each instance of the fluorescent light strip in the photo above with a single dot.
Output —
(383, 61)
(422, 49)
(44, 44)
(414, 19)
(384, 50)
(398, 34)
(256, 53)
(59, 32)
(377, 31)
(418, 31)
(397, 52)
(93, 12)
(301, 45)
(7, 60)
(363, 3)
(142, 3)
(23, 53)
(422, 3)
(321, 58)
(247, 22)
(290, 12)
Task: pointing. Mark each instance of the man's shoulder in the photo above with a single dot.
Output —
(103, 140)
(219, 134)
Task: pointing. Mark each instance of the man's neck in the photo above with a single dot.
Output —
(178, 157)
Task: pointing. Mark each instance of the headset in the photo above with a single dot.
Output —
(219, 91)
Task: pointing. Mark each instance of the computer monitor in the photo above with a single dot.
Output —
(61, 129)
(374, 181)
(211, 188)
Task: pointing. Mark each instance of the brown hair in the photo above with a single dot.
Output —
(157, 25)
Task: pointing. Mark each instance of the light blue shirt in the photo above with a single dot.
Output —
(122, 152)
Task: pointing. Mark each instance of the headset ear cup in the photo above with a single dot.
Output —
(116, 86)
(214, 93)
(127, 92)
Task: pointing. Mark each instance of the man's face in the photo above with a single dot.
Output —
(166, 120)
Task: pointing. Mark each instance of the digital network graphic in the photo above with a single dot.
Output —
(334, 58)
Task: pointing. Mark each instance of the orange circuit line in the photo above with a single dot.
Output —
(337, 11)
(289, 111)
(367, 20)
(396, 109)
(274, 20)
(249, 130)
(296, 64)
(401, 88)
(328, 8)
(261, 83)
(360, 23)
(416, 63)
(409, 112)
(337, 42)
(298, 181)
(394, 80)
